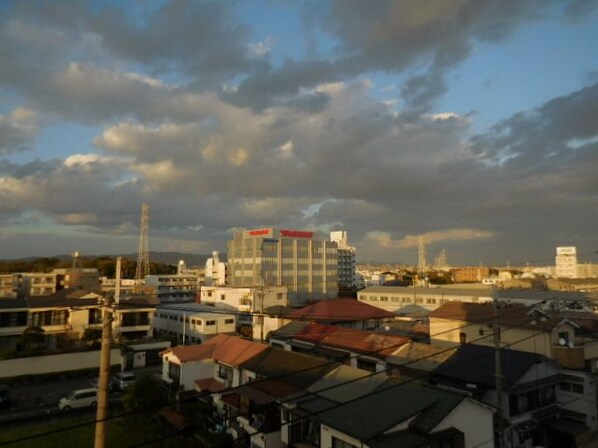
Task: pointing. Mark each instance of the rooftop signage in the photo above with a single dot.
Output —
(296, 233)
(260, 232)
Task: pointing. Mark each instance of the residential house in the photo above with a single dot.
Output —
(361, 349)
(13, 321)
(568, 337)
(348, 313)
(542, 404)
(406, 413)
(341, 385)
(212, 366)
(252, 412)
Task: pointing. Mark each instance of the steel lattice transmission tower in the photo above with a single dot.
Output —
(143, 264)
(421, 253)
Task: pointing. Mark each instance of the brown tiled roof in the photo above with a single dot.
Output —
(350, 339)
(339, 310)
(515, 316)
(227, 349)
(188, 353)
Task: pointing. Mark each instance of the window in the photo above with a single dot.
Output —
(463, 338)
(229, 321)
(210, 322)
(576, 388)
(225, 372)
(221, 296)
(174, 371)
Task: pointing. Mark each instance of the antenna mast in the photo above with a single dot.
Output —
(143, 256)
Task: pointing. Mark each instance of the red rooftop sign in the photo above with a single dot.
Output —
(296, 234)
(259, 232)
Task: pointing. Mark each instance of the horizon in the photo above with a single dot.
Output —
(469, 125)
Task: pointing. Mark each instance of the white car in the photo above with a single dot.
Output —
(122, 380)
(81, 398)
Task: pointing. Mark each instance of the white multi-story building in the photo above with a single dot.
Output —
(566, 262)
(8, 286)
(192, 322)
(37, 283)
(215, 273)
(250, 304)
(171, 288)
(346, 259)
(297, 259)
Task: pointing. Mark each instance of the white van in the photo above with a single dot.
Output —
(81, 398)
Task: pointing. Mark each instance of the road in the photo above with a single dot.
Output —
(31, 401)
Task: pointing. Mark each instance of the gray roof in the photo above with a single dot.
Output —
(475, 364)
(393, 402)
(418, 356)
(346, 383)
(13, 304)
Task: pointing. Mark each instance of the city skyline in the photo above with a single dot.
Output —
(471, 125)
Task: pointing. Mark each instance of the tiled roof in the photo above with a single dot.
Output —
(227, 349)
(513, 315)
(349, 339)
(346, 383)
(418, 356)
(339, 310)
(235, 351)
(393, 402)
(476, 364)
(189, 353)
(298, 369)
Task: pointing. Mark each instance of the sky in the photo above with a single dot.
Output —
(473, 125)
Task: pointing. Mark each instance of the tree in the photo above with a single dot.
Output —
(32, 340)
(146, 394)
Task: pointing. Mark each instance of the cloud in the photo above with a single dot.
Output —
(390, 36)
(17, 131)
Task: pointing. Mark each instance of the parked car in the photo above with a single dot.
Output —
(5, 402)
(80, 398)
(122, 380)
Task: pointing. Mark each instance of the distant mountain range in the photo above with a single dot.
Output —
(171, 258)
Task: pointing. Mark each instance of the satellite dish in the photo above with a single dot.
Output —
(562, 341)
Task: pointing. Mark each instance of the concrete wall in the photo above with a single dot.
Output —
(39, 365)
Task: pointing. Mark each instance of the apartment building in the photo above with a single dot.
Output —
(192, 323)
(346, 260)
(173, 288)
(306, 264)
(566, 262)
(250, 305)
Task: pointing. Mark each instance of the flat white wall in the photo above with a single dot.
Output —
(474, 420)
(38, 365)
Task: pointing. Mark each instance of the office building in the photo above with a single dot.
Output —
(300, 260)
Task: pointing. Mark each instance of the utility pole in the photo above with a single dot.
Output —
(498, 374)
(103, 399)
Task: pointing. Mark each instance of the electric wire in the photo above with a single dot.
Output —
(271, 378)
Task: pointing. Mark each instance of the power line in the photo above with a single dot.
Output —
(232, 389)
